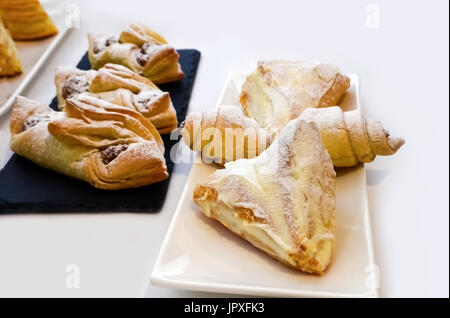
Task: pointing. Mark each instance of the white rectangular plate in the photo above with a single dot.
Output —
(200, 254)
(33, 55)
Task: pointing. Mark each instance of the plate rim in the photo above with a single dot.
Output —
(159, 280)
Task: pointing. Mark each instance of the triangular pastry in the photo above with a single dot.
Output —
(121, 86)
(279, 91)
(141, 50)
(9, 56)
(109, 146)
(26, 19)
(282, 201)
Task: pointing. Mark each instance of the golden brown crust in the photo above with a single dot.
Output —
(139, 34)
(109, 146)
(140, 49)
(244, 100)
(338, 88)
(114, 76)
(121, 86)
(349, 138)
(9, 56)
(26, 19)
(224, 135)
(163, 67)
(23, 109)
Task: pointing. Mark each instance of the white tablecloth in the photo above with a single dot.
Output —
(398, 48)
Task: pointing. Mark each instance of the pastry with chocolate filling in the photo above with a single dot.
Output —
(282, 202)
(26, 19)
(121, 86)
(141, 50)
(109, 146)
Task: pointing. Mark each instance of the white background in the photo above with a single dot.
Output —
(403, 67)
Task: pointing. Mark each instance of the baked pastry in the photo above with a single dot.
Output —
(109, 146)
(224, 134)
(26, 19)
(282, 202)
(141, 50)
(121, 86)
(278, 91)
(349, 137)
(9, 56)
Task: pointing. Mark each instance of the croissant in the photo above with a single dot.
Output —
(9, 56)
(224, 135)
(282, 202)
(26, 19)
(121, 86)
(278, 91)
(349, 137)
(111, 147)
(141, 50)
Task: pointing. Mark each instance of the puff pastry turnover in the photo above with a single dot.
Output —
(121, 86)
(111, 147)
(26, 19)
(278, 91)
(141, 50)
(282, 201)
(9, 56)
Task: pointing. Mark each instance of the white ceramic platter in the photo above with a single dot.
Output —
(200, 254)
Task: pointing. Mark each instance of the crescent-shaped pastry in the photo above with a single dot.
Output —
(9, 56)
(282, 202)
(109, 146)
(121, 86)
(224, 134)
(26, 19)
(279, 91)
(141, 50)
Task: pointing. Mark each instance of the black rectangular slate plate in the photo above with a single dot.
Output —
(26, 187)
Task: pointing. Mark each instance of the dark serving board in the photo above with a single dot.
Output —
(26, 187)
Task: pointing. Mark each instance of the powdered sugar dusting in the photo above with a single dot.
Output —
(284, 186)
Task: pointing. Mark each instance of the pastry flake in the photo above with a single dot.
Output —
(121, 86)
(141, 50)
(9, 56)
(26, 19)
(109, 146)
(279, 91)
(282, 201)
